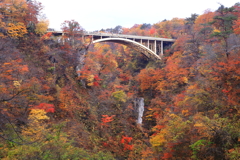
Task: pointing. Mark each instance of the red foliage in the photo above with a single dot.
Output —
(106, 119)
(167, 155)
(126, 141)
(47, 107)
(225, 91)
(96, 78)
(152, 31)
(105, 144)
(95, 83)
(47, 35)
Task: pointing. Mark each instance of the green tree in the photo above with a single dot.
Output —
(223, 22)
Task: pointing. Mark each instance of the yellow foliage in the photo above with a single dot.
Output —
(87, 39)
(37, 115)
(185, 79)
(158, 140)
(90, 84)
(17, 30)
(36, 128)
(120, 96)
(198, 124)
(97, 45)
(216, 31)
(90, 79)
(16, 84)
(41, 27)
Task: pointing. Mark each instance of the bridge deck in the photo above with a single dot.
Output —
(121, 36)
(129, 36)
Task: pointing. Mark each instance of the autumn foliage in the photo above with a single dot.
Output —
(65, 98)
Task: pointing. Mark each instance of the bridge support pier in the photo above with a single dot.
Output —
(161, 54)
(155, 46)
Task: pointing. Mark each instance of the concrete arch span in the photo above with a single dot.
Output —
(130, 43)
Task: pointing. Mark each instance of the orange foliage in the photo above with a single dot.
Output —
(24, 68)
(236, 26)
(204, 19)
(149, 78)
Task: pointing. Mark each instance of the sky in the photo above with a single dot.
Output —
(97, 14)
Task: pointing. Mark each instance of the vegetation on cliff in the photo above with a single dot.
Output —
(61, 98)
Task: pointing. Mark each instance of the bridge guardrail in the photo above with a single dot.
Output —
(123, 36)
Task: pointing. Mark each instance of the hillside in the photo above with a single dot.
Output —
(65, 98)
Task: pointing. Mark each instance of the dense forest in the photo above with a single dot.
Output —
(65, 98)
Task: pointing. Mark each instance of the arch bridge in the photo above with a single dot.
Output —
(152, 47)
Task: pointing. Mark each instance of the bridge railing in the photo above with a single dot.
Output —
(99, 33)
(94, 33)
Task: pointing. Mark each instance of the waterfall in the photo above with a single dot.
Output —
(139, 106)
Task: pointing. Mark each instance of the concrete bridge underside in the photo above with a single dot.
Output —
(152, 47)
(132, 44)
